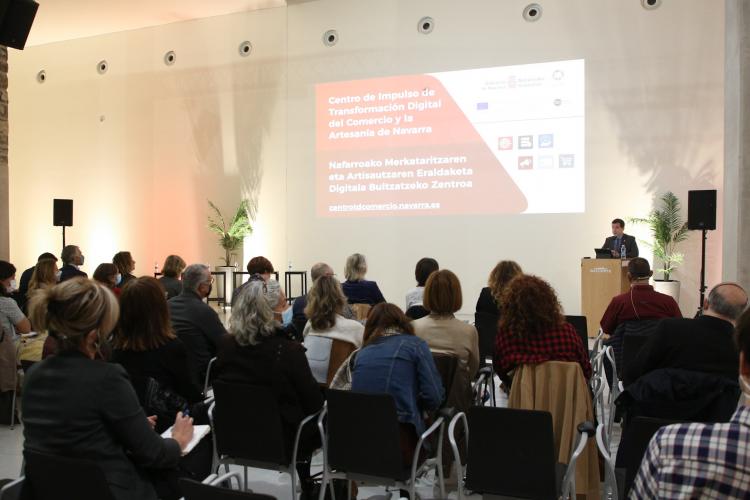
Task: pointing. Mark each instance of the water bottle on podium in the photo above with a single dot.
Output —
(622, 252)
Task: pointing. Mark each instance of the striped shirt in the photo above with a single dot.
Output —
(698, 461)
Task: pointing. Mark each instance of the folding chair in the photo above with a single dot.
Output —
(51, 477)
(512, 453)
(207, 381)
(631, 345)
(579, 323)
(248, 430)
(362, 443)
(210, 489)
(486, 325)
(12, 490)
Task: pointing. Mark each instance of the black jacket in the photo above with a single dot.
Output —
(631, 247)
(69, 271)
(199, 328)
(87, 409)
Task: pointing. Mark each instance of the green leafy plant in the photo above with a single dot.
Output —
(231, 235)
(668, 229)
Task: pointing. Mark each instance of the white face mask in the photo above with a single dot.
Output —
(118, 279)
(286, 316)
(12, 287)
(58, 274)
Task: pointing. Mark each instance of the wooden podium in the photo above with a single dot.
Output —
(601, 279)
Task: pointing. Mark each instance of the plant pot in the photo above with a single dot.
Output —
(228, 281)
(671, 288)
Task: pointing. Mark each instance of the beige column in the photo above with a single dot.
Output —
(736, 218)
(4, 214)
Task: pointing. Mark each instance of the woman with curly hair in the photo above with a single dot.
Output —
(533, 330)
(490, 297)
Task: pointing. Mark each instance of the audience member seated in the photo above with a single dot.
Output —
(425, 267)
(23, 284)
(446, 334)
(489, 297)
(85, 409)
(533, 330)
(12, 321)
(640, 303)
(257, 265)
(44, 275)
(125, 266)
(326, 325)
(108, 275)
(195, 322)
(397, 362)
(171, 272)
(356, 288)
(299, 319)
(696, 460)
(145, 345)
(257, 352)
(688, 369)
(71, 258)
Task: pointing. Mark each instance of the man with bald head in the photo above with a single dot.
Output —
(704, 344)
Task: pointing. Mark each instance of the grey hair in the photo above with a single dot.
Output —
(719, 303)
(319, 269)
(68, 253)
(193, 276)
(356, 267)
(252, 316)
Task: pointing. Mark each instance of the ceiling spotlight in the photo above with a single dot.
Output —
(170, 57)
(650, 4)
(426, 25)
(330, 38)
(532, 12)
(245, 48)
(102, 66)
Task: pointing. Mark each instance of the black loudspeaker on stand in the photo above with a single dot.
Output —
(702, 216)
(62, 215)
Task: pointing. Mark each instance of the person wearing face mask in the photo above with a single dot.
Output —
(72, 258)
(12, 322)
(125, 267)
(697, 460)
(108, 275)
(195, 322)
(78, 407)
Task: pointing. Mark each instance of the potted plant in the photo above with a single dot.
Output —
(668, 229)
(231, 237)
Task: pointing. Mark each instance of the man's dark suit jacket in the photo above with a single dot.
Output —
(705, 344)
(69, 271)
(631, 247)
(87, 409)
(199, 328)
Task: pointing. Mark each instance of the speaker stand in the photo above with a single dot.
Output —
(63, 228)
(703, 271)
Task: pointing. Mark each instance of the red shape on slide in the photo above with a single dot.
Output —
(475, 182)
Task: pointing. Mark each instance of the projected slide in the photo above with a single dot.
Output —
(504, 140)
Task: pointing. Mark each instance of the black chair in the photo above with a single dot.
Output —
(363, 443)
(633, 445)
(11, 490)
(446, 365)
(579, 323)
(51, 477)
(632, 344)
(416, 312)
(248, 430)
(210, 489)
(642, 328)
(486, 325)
(511, 453)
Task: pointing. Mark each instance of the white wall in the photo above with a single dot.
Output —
(219, 126)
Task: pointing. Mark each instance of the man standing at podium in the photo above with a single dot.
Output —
(614, 243)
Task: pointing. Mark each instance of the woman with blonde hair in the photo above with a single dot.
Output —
(44, 275)
(356, 288)
(172, 271)
(81, 408)
(326, 324)
(125, 266)
(490, 297)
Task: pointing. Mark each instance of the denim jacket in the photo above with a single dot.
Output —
(402, 366)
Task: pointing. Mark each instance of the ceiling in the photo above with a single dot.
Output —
(58, 20)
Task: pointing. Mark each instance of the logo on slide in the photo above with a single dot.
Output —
(525, 142)
(505, 143)
(546, 162)
(567, 161)
(483, 106)
(546, 140)
(525, 163)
